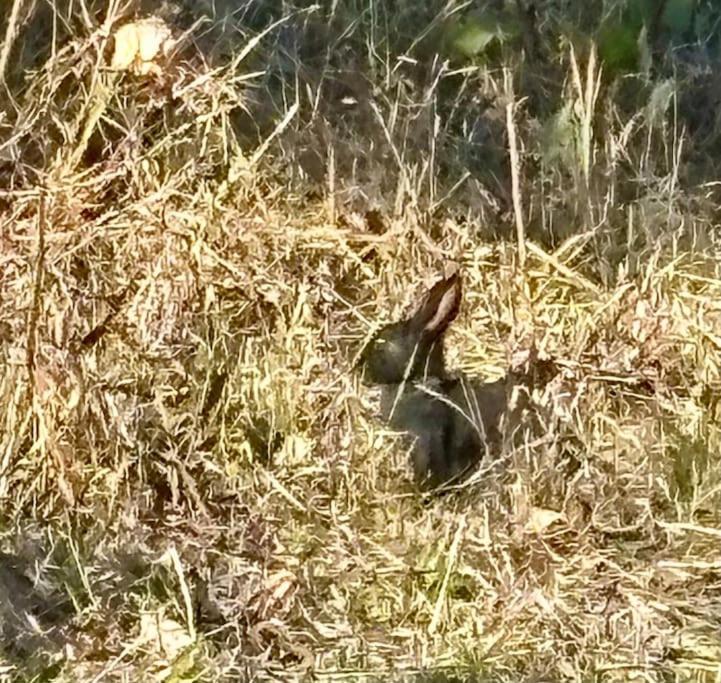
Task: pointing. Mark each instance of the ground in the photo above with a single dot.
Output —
(205, 217)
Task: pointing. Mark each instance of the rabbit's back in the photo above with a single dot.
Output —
(483, 404)
(454, 422)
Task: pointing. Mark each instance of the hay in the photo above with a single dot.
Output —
(186, 453)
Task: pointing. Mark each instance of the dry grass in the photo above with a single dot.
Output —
(190, 471)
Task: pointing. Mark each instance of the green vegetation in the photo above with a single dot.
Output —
(202, 220)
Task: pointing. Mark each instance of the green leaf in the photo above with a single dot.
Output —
(638, 12)
(677, 15)
(473, 35)
(473, 38)
(558, 136)
(618, 46)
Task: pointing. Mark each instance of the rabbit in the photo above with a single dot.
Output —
(454, 421)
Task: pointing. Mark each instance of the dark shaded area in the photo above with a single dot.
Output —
(32, 621)
(324, 54)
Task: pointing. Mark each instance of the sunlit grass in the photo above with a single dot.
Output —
(190, 464)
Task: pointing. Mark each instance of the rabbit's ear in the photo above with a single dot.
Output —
(440, 306)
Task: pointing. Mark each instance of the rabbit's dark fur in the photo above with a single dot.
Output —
(454, 421)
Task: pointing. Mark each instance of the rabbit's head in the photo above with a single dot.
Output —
(413, 349)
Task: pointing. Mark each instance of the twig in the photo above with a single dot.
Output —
(452, 555)
(37, 290)
(10, 35)
(563, 269)
(184, 590)
(515, 167)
